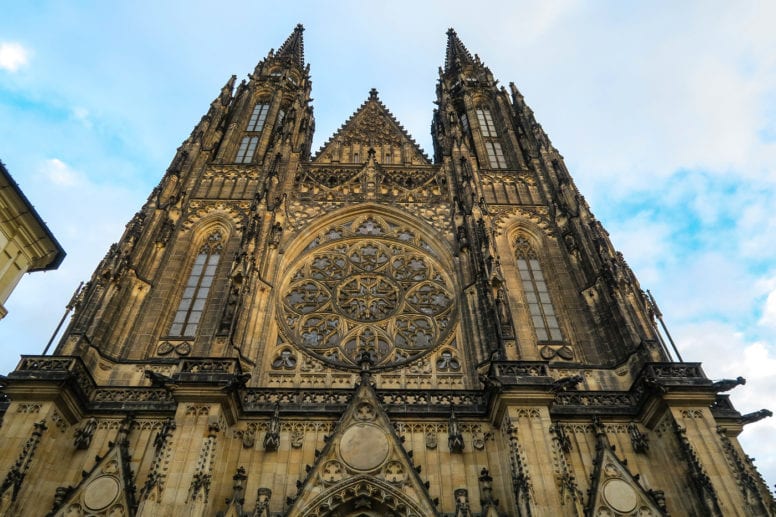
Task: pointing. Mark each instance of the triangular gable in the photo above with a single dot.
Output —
(107, 489)
(363, 466)
(372, 126)
(613, 489)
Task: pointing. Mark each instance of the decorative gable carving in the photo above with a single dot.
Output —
(372, 126)
(107, 489)
(614, 491)
(363, 466)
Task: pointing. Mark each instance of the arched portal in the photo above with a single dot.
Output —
(366, 496)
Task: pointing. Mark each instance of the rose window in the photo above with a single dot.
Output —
(368, 290)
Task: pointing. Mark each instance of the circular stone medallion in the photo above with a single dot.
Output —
(101, 493)
(364, 447)
(620, 495)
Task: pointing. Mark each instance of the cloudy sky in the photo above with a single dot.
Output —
(665, 113)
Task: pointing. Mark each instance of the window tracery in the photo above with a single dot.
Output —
(485, 119)
(537, 296)
(258, 117)
(192, 304)
(367, 285)
(247, 149)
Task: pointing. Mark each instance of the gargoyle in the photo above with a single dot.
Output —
(237, 381)
(755, 416)
(728, 384)
(567, 383)
(157, 379)
(654, 384)
(490, 383)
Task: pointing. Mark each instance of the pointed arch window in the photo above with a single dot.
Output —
(197, 287)
(496, 155)
(537, 296)
(465, 123)
(258, 117)
(487, 127)
(246, 149)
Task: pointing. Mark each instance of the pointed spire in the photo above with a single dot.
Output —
(226, 92)
(293, 47)
(457, 54)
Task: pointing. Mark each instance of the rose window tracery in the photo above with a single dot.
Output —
(367, 286)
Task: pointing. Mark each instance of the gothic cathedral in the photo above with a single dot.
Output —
(366, 332)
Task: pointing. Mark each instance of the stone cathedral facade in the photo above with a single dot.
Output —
(367, 331)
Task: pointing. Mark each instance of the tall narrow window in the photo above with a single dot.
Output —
(496, 155)
(192, 304)
(465, 123)
(485, 119)
(536, 295)
(258, 117)
(246, 149)
(356, 159)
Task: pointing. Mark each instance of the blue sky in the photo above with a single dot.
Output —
(665, 113)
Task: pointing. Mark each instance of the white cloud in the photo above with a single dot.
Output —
(661, 112)
(645, 244)
(82, 115)
(59, 173)
(756, 224)
(726, 353)
(769, 310)
(13, 56)
(691, 98)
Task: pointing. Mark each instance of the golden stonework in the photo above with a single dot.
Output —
(367, 286)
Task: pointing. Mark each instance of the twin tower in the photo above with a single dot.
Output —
(368, 332)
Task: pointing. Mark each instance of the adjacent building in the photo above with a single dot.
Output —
(26, 243)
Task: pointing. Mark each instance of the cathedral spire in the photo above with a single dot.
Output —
(258, 282)
(457, 54)
(293, 47)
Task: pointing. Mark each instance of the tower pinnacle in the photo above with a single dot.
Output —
(457, 54)
(293, 47)
(478, 293)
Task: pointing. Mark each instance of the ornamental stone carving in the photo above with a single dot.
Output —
(368, 286)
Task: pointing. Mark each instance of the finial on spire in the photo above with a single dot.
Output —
(365, 361)
(293, 47)
(457, 54)
(373, 94)
(226, 91)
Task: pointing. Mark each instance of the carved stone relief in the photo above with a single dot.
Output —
(537, 215)
(234, 210)
(366, 287)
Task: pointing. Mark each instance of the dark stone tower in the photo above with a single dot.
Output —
(368, 332)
